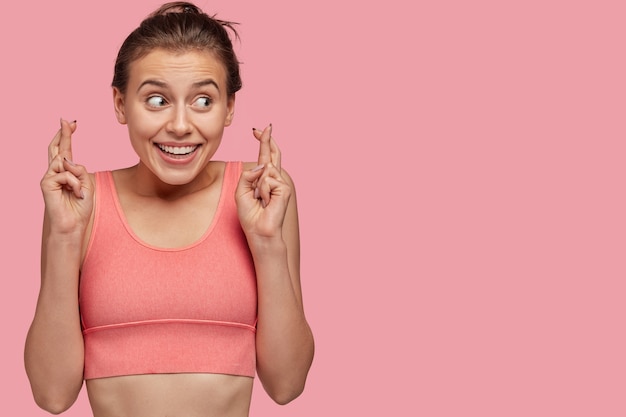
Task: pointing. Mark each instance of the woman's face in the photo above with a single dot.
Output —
(176, 107)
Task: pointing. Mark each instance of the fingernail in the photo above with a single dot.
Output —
(73, 122)
(270, 129)
(257, 168)
(82, 195)
(256, 193)
(69, 162)
(263, 203)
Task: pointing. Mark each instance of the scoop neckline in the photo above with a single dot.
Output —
(202, 238)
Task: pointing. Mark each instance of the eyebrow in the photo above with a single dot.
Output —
(206, 82)
(161, 84)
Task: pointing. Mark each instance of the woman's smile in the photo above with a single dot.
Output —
(177, 154)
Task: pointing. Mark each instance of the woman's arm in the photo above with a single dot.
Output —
(269, 216)
(53, 353)
(284, 340)
(54, 345)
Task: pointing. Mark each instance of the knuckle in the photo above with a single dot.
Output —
(57, 161)
(69, 176)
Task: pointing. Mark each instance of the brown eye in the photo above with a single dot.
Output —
(203, 102)
(156, 101)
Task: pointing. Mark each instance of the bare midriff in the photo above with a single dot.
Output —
(171, 395)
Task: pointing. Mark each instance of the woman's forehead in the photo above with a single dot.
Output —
(185, 65)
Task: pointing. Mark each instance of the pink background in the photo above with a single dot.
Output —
(460, 168)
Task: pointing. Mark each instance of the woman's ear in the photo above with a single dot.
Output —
(118, 104)
(230, 106)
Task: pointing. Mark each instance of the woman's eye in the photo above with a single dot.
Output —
(203, 102)
(156, 101)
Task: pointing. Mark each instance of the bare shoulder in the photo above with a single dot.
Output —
(122, 176)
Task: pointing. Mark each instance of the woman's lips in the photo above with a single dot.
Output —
(177, 152)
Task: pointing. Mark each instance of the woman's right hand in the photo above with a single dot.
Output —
(67, 188)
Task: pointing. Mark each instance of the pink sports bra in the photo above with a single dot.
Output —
(148, 310)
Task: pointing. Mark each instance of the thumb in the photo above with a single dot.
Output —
(248, 179)
(83, 186)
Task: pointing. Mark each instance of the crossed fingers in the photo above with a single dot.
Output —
(268, 150)
(62, 142)
(270, 162)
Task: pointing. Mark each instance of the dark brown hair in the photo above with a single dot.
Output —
(179, 27)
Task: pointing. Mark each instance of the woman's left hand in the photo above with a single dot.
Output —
(263, 192)
(266, 203)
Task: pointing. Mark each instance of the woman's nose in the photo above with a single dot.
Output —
(179, 124)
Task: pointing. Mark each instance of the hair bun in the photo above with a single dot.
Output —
(177, 7)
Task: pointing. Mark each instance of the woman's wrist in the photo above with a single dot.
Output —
(66, 238)
(267, 246)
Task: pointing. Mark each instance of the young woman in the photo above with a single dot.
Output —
(169, 284)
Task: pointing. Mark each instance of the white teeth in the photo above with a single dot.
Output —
(178, 150)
